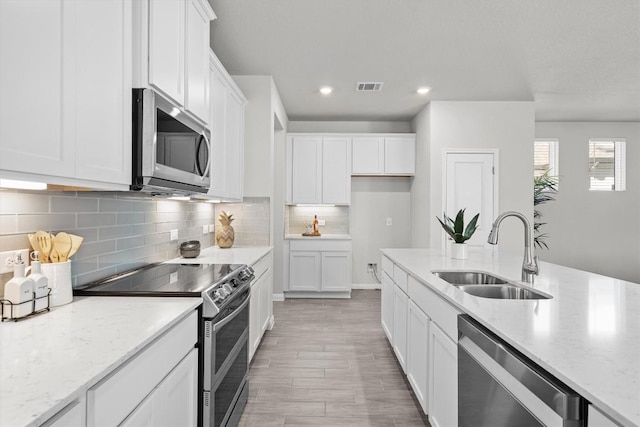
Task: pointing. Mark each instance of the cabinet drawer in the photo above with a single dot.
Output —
(387, 266)
(441, 312)
(262, 265)
(112, 399)
(400, 277)
(320, 245)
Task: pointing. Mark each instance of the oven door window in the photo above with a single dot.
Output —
(178, 146)
(227, 392)
(229, 334)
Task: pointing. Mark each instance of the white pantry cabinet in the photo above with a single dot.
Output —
(171, 51)
(321, 266)
(65, 109)
(318, 169)
(261, 302)
(227, 134)
(384, 155)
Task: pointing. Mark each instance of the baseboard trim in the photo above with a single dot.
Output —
(278, 297)
(366, 286)
(297, 294)
(272, 321)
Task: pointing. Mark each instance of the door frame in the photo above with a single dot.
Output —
(496, 181)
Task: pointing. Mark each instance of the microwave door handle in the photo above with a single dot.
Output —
(206, 169)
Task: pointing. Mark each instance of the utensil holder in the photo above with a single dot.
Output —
(59, 275)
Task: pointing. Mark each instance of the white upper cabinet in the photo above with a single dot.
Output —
(166, 47)
(65, 109)
(384, 155)
(319, 170)
(199, 14)
(171, 51)
(227, 134)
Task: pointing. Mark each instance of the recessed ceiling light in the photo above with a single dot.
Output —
(326, 90)
(424, 90)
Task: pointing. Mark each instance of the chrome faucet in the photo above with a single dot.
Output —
(530, 262)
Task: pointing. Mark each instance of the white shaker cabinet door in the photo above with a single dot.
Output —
(400, 305)
(443, 379)
(234, 180)
(367, 156)
(400, 155)
(166, 47)
(34, 136)
(197, 59)
(306, 178)
(304, 271)
(336, 171)
(336, 271)
(387, 305)
(179, 394)
(417, 355)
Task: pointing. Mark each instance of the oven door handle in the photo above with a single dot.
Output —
(229, 318)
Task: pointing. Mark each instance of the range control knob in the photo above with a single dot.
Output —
(234, 282)
(219, 295)
(227, 288)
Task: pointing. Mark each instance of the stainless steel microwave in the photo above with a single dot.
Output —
(171, 150)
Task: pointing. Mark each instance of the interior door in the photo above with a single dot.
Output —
(470, 183)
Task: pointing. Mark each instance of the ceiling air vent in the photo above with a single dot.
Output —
(369, 86)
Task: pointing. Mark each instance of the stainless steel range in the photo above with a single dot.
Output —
(224, 327)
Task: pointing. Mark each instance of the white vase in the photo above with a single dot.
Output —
(459, 250)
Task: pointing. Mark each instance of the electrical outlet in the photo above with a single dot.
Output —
(371, 267)
(173, 235)
(389, 221)
(205, 229)
(8, 259)
(322, 222)
(212, 228)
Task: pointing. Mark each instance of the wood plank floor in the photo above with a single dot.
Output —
(327, 363)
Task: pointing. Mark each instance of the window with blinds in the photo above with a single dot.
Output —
(607, 159)
(545, 157)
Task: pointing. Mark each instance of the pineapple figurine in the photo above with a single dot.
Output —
(225, 234)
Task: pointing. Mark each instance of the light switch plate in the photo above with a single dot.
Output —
(173, 235)
(7, 259)
(389, 221)
(205, 229)
(322, 222)
(212, 228)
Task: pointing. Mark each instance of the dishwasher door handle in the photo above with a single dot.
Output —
(526, 381)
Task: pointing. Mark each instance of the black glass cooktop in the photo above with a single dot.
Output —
(161, 280)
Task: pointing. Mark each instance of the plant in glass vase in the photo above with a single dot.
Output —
(458, 232)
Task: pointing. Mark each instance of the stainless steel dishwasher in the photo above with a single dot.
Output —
(500, 387)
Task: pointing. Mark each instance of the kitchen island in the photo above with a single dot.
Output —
(587, 335)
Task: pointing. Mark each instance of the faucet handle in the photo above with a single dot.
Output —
(533, 267)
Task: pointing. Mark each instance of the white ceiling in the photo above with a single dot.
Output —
(577, 59)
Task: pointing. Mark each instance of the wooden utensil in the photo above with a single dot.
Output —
(44, 241)
(62, 245)
(53, 255)
(76, 241)
(34, 242)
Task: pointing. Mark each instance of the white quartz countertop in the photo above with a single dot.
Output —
(235, 255)
(49, 360)
(321, 237)
(587, 335)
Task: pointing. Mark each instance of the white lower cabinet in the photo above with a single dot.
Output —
(167, 366)
(261, 302)
(595, 418)
(417, 354)
(386, 302)
(174, 402)
(443, 375)
(320, 266)
(400, 302)
(421, 327)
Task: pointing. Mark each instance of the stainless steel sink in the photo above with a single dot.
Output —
(502, 292)
(486, 285)
(469, 278)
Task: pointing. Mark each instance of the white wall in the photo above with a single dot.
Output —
(506, 126)
(593, 231)
(420, 189)
(373, 200)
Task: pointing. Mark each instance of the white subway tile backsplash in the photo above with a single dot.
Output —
(251, 220)
(114, 232)
(90, 220)
(52, 222)
(129, 242)
(16, 203)
(95, 248)
(73, 204)
(8, 224)
(115, 205)
(130, 218)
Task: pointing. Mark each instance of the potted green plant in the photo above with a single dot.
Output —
(459, 233)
